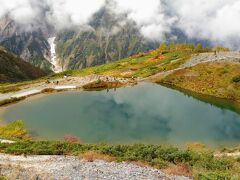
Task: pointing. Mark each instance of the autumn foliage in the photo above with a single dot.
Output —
(71, 138)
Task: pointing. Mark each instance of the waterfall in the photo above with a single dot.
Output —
(56, 67)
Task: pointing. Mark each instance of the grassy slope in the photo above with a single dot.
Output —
(13, 130)
(142, 65)
(14, 69)
(215, 79)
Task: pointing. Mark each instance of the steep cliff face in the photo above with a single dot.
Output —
(107, 39)
(29, 43)
(14, 69)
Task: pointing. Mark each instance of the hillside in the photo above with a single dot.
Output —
(216, 79)
(32, 46)
(107, 40)
(215, 75)
(182, 65)
(142, 65)
(14, 69)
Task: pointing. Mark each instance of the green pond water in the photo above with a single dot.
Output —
(146, 113)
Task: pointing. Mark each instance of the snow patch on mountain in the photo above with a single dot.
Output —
(56, 67)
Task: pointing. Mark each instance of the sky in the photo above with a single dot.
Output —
(214, 20)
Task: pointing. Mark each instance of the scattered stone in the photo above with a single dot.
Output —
(69, 167)
(6, 141)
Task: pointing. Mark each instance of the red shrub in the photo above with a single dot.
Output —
(71, 138)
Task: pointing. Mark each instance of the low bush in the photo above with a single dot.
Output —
(10, 101)
(14, 129)
(213, 175)
(71, 138)
(48, 90)
(99, 85)
(236, 79)
(200, 164)
(91, 156)
(8, 89)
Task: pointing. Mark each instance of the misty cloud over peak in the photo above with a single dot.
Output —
(213, 20)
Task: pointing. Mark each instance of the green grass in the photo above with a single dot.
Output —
(10, 101)
(14, 130)
(215, 79)
(14, 69)
(142, 66)
(13, 87)
(201, 162)
(100, 85)
(195, 160)
(236, 79)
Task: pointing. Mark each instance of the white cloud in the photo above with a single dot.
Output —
(19, 10)
(76, 12)
(149, 15)
(215, 20)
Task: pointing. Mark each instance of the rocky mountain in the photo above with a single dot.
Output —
(30, 43)
(108, 38)
(13, 68)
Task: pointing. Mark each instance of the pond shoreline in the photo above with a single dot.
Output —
(61, 85)
(81, 82)
(126, 105)
(234, 105)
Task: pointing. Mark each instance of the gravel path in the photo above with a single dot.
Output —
(61, 167)
(204, 58)
(211, 57)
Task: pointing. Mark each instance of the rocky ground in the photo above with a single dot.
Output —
(60, 84)
(233, 56)
(61, 167)
(196, 59)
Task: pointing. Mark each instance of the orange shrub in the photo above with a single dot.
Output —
(90, 156)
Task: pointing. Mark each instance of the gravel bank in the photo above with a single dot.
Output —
(61, 167)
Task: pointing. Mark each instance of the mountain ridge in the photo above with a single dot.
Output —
(14, 69)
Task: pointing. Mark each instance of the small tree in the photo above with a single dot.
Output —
(221, 48)
(236, 79)
(199, 48)
(163, 48)
(190, 47)
(172, 46)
